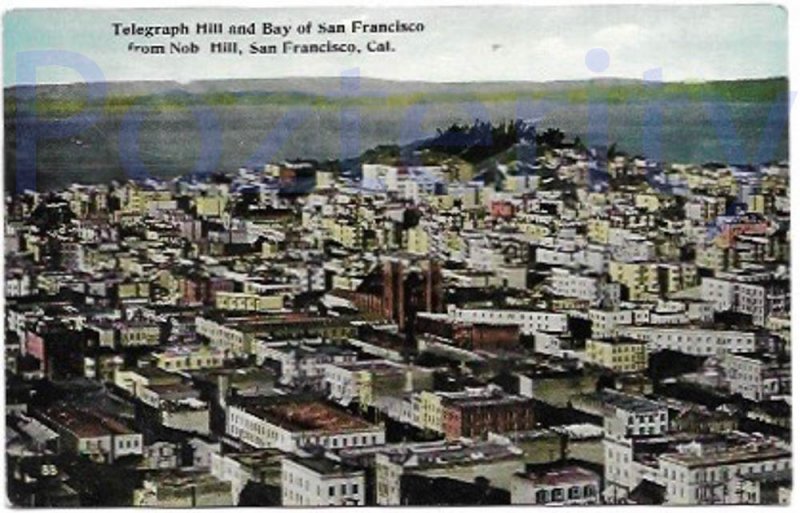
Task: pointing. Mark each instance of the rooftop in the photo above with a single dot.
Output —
(629, 402)
(85, 424)
(327, 467)
(305, 416)
(621, 340)
(257, 458)
(377, 366)
(440, 453)
(557, 475)
(728, 454)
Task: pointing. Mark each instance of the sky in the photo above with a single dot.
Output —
(459, 44)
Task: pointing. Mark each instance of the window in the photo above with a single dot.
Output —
(331, 491)
(355, 488)
(344, 489)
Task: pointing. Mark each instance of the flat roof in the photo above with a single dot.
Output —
(257, 458)
(156, 372)
(440, 453)
(308, 416)
(629, 402)
(728, 455)
(186, 350)
(86, 424)
(760, 357)
(381, 366)
(325, 466)
(559, 476)
(481, 398)
(621, 340)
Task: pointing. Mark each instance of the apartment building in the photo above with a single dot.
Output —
(318, 481)
(562, 483)
(690, 339)
(290, 424)
(705, 473)
(756, 376)
(529, 321)
(620, 354)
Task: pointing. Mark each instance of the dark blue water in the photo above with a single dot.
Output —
(171, 143)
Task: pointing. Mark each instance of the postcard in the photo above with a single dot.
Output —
(397, 256)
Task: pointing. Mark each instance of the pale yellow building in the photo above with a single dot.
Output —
(417, 241)
(430, 411)
(135, 334)
(210, 206)
(756, 203)
(649, 202)
(139, 201)
(597, 230)
(677, 277)
(325, 180)
(441, 202)
(619, 355)
(133, 290)
(640, 278)
(344, 232)
(189, 358)
(240, 301)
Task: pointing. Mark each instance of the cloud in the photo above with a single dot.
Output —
(617, 37)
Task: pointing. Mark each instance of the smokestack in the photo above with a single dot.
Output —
(563, 443)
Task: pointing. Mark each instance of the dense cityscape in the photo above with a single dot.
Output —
(523, 321)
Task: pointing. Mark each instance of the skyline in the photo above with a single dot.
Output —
(517, 44)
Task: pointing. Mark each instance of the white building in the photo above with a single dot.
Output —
(529, 321)
(693, 340)
(379, 177)
(93, 434)
(321, 482)
(160, 455)
(556, 484)
(704, 473)
(605, 323)
(751, 295)
(302, 362)
(567, 283)
(560, 257)
(496, 459)
(292, 425)
(189, 414)
(241, 468)
(627, 417)
(755, 376)
(18, 285)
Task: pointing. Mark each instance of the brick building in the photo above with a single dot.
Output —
(474, 415)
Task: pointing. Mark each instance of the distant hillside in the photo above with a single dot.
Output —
(251, 116)
(58, 100)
